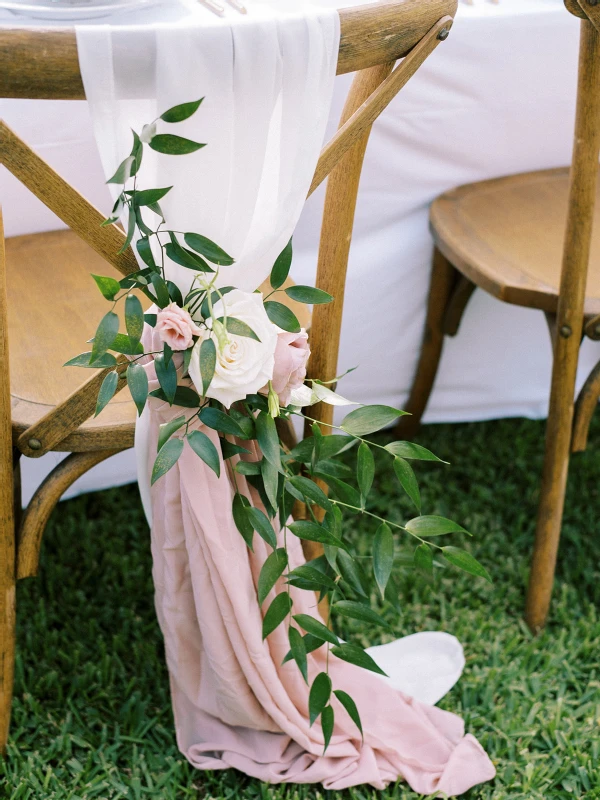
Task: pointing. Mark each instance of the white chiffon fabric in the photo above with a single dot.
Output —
(267, 80)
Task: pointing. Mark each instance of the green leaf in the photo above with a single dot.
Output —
(130, 231)
(369, 419)
(173, 145)
(124, 171)
(182, 111)
(166, 458)
(162, 290)
(242, 523)
(208, 360)
(147, 196)
(308, 294)
(205, 449)
(408, 481)
(411, 450)
(144, 249)
(248, 468)
(307, 577)
(365, 470)
(108, 286)
(310, 491)
(423, 558)
(83, 360)
(245, 422)
(319, 695)
(270, 478)
(383, 556)
(465, 561)
(137, 381)
(137, 151)
(122, 344)
(353, 610)
(185, 258)
(150, 319)
(330, 446)
(433, 526)
(352, 573)
(313, 532)
(316, 628)
(261, 525)
(350, 707)
(357, 656)
(184, 397)
(327, 723)
(298, 650)
(311, 643)
(167, 429)
(342, 490)
(281, 267)
(107, 391)
(282, 316)
(167, 376)
(239, 328)
(268, 438)
(276, 613)
(134, 318)
(208, 249)
(204, 308)
(174, 293)
(220, 421)
(230, 449)
(270, 572)
(105, 335)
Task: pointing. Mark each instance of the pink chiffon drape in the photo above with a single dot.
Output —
(235, 704)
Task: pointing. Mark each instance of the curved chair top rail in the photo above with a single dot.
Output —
(41, 63)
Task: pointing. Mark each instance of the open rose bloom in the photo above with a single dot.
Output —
(175, 327)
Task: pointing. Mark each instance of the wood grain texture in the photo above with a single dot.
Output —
(43, 502)
(443, 281)
(348, 133)
(506, 236)
(577, 247)
(591, 10)
(64, 201)
(7, 522)
(42, 63)
(574, 7)
(334, 247)
(585, 406)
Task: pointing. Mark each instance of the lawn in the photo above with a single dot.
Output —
(91, 716)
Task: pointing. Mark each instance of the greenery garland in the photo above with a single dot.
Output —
(282, 476)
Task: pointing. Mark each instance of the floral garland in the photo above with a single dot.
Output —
(246, 358)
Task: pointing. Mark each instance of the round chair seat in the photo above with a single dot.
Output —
(506, 236)
(54, 308)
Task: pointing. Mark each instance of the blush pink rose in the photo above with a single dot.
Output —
(291, 354)
(175, 327)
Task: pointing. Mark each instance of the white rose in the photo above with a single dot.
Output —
(243, 365)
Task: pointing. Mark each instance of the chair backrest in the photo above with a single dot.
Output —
(582, 190)
(43, 64)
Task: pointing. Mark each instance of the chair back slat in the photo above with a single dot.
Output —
(65, 201)
(36, 63)
(42, 63)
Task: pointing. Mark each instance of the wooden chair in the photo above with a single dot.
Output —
(43, 407)
(507, 236)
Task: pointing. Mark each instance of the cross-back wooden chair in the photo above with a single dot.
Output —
(41, 410)
(508, 237)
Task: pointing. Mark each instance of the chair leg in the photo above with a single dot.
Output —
(443, 278)
(552, 497)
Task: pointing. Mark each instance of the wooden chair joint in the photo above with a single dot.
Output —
(61, 421)
(353, 128)
(590, 9)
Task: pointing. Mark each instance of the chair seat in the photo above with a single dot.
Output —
(506, 236)
(53, 310)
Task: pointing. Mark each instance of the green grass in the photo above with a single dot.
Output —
(91, 716)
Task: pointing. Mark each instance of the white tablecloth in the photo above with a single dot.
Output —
(496, 98)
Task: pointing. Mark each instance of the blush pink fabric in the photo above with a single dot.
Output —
(234, 703)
